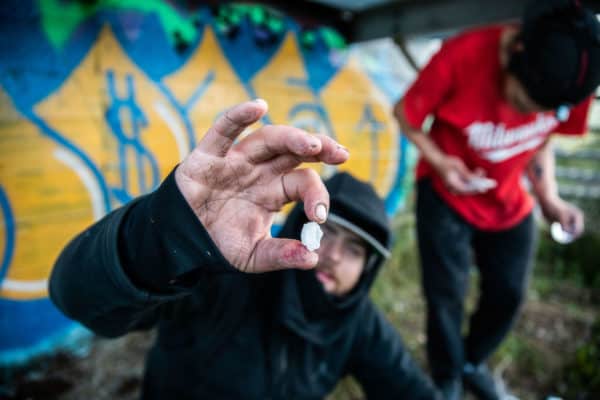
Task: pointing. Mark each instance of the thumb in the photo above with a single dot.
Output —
(479, 172)
(464, 172)
(274, 254)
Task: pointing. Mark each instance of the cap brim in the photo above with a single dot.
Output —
(361, 233)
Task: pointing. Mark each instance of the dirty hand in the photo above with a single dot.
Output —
(235, 189)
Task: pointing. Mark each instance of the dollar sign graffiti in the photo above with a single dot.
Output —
(129, 140)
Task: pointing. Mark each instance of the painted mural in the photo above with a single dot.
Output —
(99, 100)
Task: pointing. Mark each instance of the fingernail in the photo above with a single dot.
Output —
(340, 147)
(263, 101)
(314, 142)
(259, 112)
(321, 212)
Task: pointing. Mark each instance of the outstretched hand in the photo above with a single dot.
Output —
(235, 189)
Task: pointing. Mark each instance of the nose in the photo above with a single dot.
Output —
(332, 249)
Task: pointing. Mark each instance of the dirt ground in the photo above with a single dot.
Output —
(112, 369)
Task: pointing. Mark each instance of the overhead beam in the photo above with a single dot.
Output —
(407, 19)
(397, 18)
(434, 17)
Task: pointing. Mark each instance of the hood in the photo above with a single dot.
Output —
(304, 306)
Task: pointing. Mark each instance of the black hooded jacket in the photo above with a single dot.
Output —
(223, 334)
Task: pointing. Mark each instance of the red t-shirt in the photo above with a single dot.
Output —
(461, 87)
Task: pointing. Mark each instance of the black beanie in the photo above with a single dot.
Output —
(355, 205)
(560, 60)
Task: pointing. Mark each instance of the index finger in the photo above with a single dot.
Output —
(219, 138)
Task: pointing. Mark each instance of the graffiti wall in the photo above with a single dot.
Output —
(100, 100)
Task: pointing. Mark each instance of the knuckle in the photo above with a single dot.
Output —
(312, 175)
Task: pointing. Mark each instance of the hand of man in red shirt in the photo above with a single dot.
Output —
(570, 217)
(458, 178)
(236, 188)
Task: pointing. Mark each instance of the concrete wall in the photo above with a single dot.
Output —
(99, 102)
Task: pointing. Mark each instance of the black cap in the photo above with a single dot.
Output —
(560, 60)
(355, 205)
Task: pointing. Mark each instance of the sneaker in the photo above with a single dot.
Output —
(479, 381)
(450, 389)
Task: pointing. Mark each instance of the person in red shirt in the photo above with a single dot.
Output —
(496, 95)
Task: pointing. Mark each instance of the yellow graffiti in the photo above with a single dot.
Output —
(286, 70)
(362, 120)
(224, 91)
(77, 111)
(114, 115)
(44, 194)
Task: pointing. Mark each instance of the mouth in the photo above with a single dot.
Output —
(325, 278)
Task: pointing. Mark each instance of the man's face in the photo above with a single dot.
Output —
(517, 96)
(342, 257)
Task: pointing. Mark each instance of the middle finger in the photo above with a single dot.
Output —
(275, 141)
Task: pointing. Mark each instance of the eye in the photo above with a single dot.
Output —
(355, 249)
(326, 228)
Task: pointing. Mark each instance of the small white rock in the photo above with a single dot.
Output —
(482, 184)
(560, 235)
(311, 236)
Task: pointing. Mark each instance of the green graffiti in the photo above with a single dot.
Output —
(273, 20)
(332, 38)
(230, 17)
(60, 19)
(308, 38)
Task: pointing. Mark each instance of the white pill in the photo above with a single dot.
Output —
(311, 236)
(559, 234)
(482, 184)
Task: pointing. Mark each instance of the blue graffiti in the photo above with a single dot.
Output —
(374, 127)
(319, 121)
(183, 109)
(395, 198)
(129, 142)
(85, 158)
(31, 70)
(9, 234)
(246, 63)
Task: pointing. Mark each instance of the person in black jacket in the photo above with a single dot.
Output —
(175, 259)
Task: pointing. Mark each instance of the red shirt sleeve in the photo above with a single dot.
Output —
(431, 87)
(578, 119)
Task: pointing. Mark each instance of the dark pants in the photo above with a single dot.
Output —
(447, 245)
